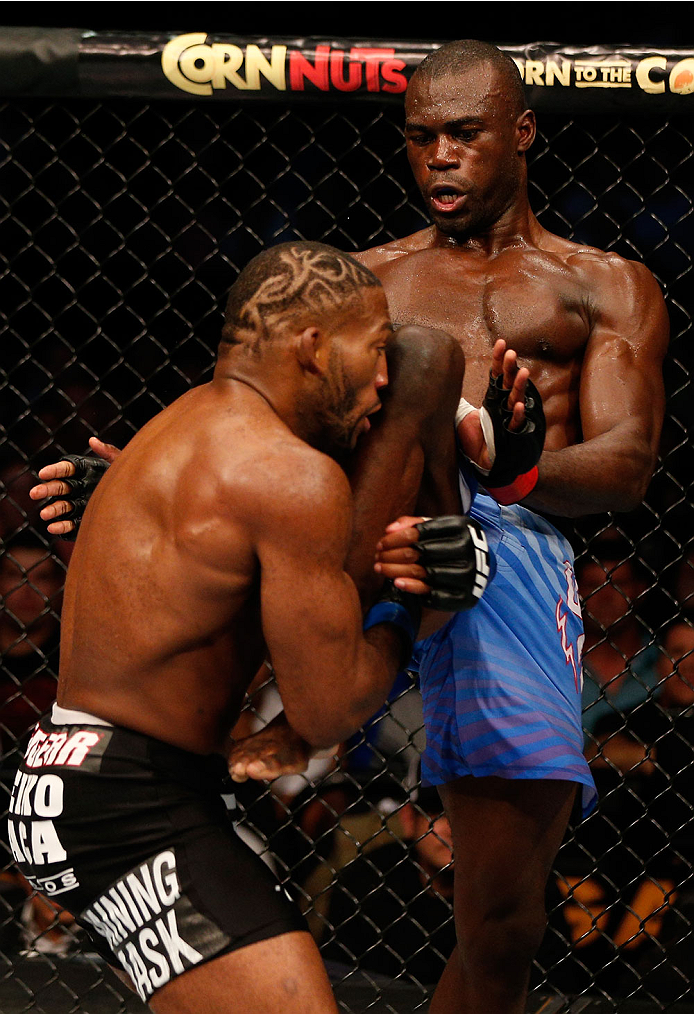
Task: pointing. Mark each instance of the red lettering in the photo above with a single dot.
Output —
(372, 59)
(396, 82)
(353, 80)
(77, 748)
(365, 63)
(35, 743)
(302, 70)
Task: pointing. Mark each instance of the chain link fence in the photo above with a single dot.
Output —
(123, 224)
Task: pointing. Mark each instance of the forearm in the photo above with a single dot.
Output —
(354, 689)
(288, 742)
(384, 656)
(599, 475)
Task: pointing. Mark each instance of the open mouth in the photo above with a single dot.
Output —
(446, 199)
(366, 425)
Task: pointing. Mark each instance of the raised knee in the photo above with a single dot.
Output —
(434, 351)
(426, 366)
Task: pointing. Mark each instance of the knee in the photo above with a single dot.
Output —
(432, 351)
(504, 939)
(426, 366)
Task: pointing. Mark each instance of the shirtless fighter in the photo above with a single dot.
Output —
(501, 684)
(219, 534)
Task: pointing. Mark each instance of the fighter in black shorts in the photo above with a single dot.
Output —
(239, 523)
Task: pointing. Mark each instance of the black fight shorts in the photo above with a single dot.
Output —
(132, 837)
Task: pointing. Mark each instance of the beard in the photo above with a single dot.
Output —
(336, 417)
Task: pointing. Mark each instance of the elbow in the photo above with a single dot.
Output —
(627, 502)
(631, 495)
(637, 481)
(645, 465)
(324, 729)
(320, 731)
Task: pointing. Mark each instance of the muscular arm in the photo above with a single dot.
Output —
(621, 399)
(330, 676)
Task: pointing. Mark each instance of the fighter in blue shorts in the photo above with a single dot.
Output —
(592, 328)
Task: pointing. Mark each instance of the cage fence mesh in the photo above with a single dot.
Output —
(123, 225)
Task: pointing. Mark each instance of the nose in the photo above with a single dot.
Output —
(442, 153)
(381, 379)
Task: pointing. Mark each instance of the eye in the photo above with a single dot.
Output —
(420, 139)
(467, 135)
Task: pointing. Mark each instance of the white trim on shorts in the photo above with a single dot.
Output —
(66, 716)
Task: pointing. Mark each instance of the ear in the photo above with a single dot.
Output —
(526, 127)
(311, 350)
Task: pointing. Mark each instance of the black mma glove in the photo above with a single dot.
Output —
(457, 559)
(88, 472)
(515, 453)
(458, 562)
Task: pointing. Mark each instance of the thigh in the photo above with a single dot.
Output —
(407, 463)
(501, 683)
(187, 906)
(506, 834)
(283, 975)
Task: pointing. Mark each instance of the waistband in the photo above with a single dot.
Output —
(119, 750)
(67, 716)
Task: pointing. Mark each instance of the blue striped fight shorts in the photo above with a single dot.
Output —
(501, 683)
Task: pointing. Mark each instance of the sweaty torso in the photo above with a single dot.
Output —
(538, 298)
(161, 628)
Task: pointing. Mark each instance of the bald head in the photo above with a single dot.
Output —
(456, 58)
(467, 130)
(297, 283)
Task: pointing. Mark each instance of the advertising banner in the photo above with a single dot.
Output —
(213, 68)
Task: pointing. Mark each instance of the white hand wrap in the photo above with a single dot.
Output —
(464, 410)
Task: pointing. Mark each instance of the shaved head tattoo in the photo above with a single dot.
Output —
(291, 282)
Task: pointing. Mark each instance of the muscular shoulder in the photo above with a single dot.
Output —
(624, 292)
(610, 269)
(378, 256)
(624, 302)
(603, 272)
(616, 290)
(304, 494)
